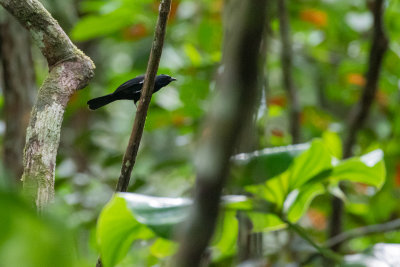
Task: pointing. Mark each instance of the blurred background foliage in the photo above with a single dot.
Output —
(331, 40)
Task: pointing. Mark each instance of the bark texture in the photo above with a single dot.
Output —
(19, 91)
(237, 92)
(69, 71)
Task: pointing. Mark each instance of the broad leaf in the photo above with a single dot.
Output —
(368, 169)
(129, 217)
(116, 230)
(293, 190)
(259, 166)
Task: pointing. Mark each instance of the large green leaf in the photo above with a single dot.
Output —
(161, 214)
(258, 166)
(116, 230)
(309, 164)
(226, 235)
(129, 217)
(368, 169)
(293, 190)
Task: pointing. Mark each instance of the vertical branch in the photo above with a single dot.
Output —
(233, 104)
(70, 70)
(361, 111)
(134, 141)
(287, 75)
(19, 91)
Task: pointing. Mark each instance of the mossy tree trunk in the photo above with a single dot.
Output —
(69, 71)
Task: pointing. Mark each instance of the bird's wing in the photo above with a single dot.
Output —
(135, 84)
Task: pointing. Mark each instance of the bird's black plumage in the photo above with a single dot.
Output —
(130, 90)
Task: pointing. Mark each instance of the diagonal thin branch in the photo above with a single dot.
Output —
(361, 111)
(70, 70)
(363, 231)
(129, 159)
(141, 112)
(233, 105)
(326, 252)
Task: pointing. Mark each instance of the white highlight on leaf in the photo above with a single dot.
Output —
(143, 201)
(372, 158)
(291, 148)
(290, 199)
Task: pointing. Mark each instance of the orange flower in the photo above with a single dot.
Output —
(382, 99)
(277, 132)
(356, 79)
(135, 32)
(279, 100)
(317, 218)
(317, 17)
(179, 120)
(397, 175)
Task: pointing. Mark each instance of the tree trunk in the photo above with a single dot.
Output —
(19, 91)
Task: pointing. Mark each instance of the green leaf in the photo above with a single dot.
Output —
(313, 161)
(116, 230)
(162, 248)
(333, 143)
(94, 26)
(129, 217)
(161, 214)
(259, 166)
(226, 235)
(368, 169)
(293, 190)
(302, 201)
(306, 167)
(31, 240)
(274, 190)
(193, 54)
(265, 221)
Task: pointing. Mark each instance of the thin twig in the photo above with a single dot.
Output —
(326, 252)
(137, 130)
(361, 111)
(287, 74)
(143, 105)
(233, 105)
(363, 231)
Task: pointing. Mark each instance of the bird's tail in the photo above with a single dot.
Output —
(98, 102)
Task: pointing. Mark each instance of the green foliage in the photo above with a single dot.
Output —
(331, 41)
(32, 241)
(129, 217)
(116, 231)
(292, 191)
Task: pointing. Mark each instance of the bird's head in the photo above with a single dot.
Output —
(163, 80)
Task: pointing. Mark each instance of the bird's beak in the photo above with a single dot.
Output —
(173, 79)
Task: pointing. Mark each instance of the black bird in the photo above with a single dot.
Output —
(130, 90)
